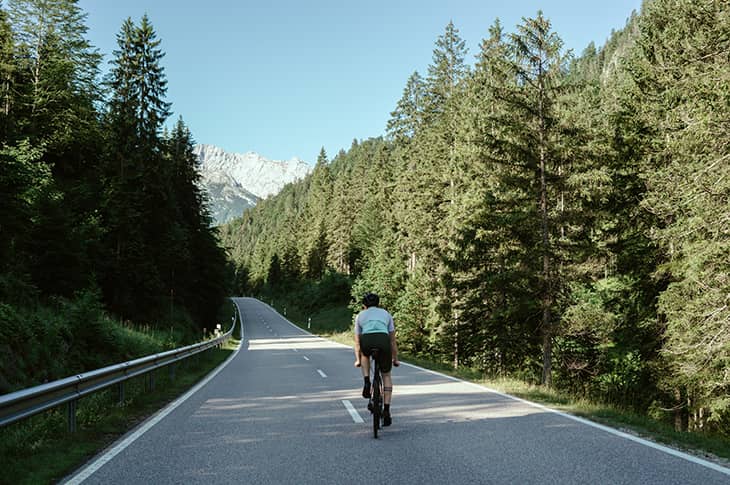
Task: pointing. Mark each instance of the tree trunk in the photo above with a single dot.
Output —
(455, 316)
(678, 421)
(547, 379)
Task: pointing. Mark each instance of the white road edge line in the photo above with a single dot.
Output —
(353, 412)
(636, 439)
(324, 376)
(119, 447)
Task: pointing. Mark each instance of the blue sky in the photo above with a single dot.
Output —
(284, 77)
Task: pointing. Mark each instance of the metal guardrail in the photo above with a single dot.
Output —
(33, 400)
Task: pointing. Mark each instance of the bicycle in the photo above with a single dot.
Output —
(375, 404)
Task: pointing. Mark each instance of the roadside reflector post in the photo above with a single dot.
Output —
(309, 322)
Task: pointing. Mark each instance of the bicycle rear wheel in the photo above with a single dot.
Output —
(377, 401)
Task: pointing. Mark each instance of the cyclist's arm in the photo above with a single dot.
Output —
(357, 350)
(393, 345)
(357, 343)
(393, 348)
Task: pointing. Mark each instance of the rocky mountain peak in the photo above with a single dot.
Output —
(237, 181)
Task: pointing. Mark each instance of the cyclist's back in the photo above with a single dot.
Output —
(374, 320)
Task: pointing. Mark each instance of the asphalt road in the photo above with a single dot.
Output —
(276, 414)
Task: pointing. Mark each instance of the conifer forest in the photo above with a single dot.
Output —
(101, 216)
(539, 213)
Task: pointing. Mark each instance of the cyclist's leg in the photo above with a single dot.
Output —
(385, 362)
(365, 364)
(387, 387)
(365, 346)
(387, 394)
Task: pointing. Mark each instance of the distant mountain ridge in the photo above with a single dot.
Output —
(235, 182)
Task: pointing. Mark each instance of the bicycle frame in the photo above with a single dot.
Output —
(376, 396)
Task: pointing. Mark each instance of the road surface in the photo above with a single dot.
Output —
(277, 413)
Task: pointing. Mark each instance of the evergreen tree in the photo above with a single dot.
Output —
(609, 332)
(444, 73)
(7, 74)
(138, 197)
(539, 67)
(428, 177)
(58, 71)
(680, 67)
(151, 87)
(485, 261)
(406, 118)
(339, 228)
(314, 242)
(49, 101)
(194, 282)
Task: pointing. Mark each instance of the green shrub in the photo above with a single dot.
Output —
(46, 342)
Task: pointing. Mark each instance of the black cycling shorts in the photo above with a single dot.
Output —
(380, 341)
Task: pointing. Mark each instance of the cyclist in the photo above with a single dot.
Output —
(374, 328)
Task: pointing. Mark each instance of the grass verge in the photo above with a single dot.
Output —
(330, 320)
(39, 450)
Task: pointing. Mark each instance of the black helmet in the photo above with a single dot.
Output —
(370, 299)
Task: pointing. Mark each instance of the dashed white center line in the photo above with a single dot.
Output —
(305, 357)
(322, 373)
(353, 412)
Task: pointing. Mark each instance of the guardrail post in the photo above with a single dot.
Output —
(120, 393)
(171, 369)
(151, 381)
(71, 413)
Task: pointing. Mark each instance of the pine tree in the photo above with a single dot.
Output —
(152, 109)
(482, 255)
(139, 202)
(428, 179)
(314, 243)
(526, 147)
(339, 226)
(406, 118)
(59, 68)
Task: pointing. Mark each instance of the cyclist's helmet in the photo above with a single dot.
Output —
(370, 299)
